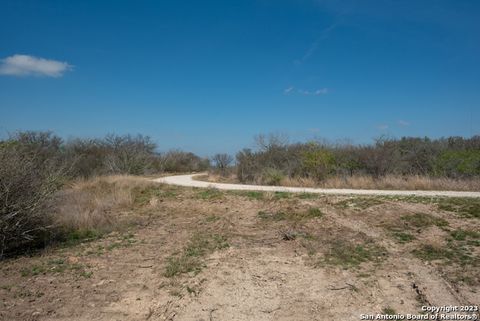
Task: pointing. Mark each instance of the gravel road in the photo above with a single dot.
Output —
(187, 180)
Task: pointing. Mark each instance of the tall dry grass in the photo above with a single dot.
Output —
(389, 182)
(413, 182)
(97, 203)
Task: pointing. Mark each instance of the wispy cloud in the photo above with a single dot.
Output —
(25, 65)
(316, 92)
(288, 90)
(382, 126)
(324, 33)
(403, 123)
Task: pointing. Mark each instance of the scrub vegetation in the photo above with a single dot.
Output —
(451, 163)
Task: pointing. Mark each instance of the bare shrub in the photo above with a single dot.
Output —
(417, 161)
(129, 154)
(180, 161)
(28, 180)
(222, 162)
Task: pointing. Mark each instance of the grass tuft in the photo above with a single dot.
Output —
(311, 213)
(466, 207)
(209, 194)
(422, 220)
(359, 203)
(190, 259)
(403, 237)
(349, 255)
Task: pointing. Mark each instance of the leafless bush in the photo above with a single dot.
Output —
(222, 162)
(180, 161)
(28, 180)
(129, 154)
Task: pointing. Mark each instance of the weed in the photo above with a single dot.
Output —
(462, 235)
(281, 195)
(209, 194)
(191, 290)
(253, 195)
(350, 255)
(431, 253)
(289, 235)
(278, 216)
(33, 270)
(311, 213)
(403, 237)
(175, 292)
(466, 207)
(122, 241)
(422, 220)
(6, 287)
(143, 195)
(83, 235)
(86, 274)
(212, 218)
(454, 253)
(389, 311)
(360, 203)
(190, 258)
(305, 196)
(57, 265)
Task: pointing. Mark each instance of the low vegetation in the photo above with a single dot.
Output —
(348, 254)
(469, 208)
(42, 194)
(190, 258)
(422, 220)
(311, 213)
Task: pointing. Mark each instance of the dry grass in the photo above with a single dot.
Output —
(216, 178)
(96, 203)
(403, 183)
(368, 182)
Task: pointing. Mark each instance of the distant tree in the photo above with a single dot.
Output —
(222, 162)
(317, 162)
(129, 154)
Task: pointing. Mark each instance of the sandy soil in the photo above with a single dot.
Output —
(187, 180)
(260, 275)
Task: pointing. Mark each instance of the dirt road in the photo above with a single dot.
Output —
(187, 180)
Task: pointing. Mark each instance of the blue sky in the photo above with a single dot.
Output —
(206, 76)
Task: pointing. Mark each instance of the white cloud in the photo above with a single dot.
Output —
(324, 34)
(403, 123)
(317, 92)
(321, 91)
(288, 90)
(25, 65)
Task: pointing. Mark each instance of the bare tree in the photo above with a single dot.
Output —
(222, 161)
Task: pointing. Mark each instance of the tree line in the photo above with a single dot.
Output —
(275, 158)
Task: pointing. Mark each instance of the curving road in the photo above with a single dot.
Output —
(187, 180)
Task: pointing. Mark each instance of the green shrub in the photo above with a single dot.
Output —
(272, 176)
(458, 163)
